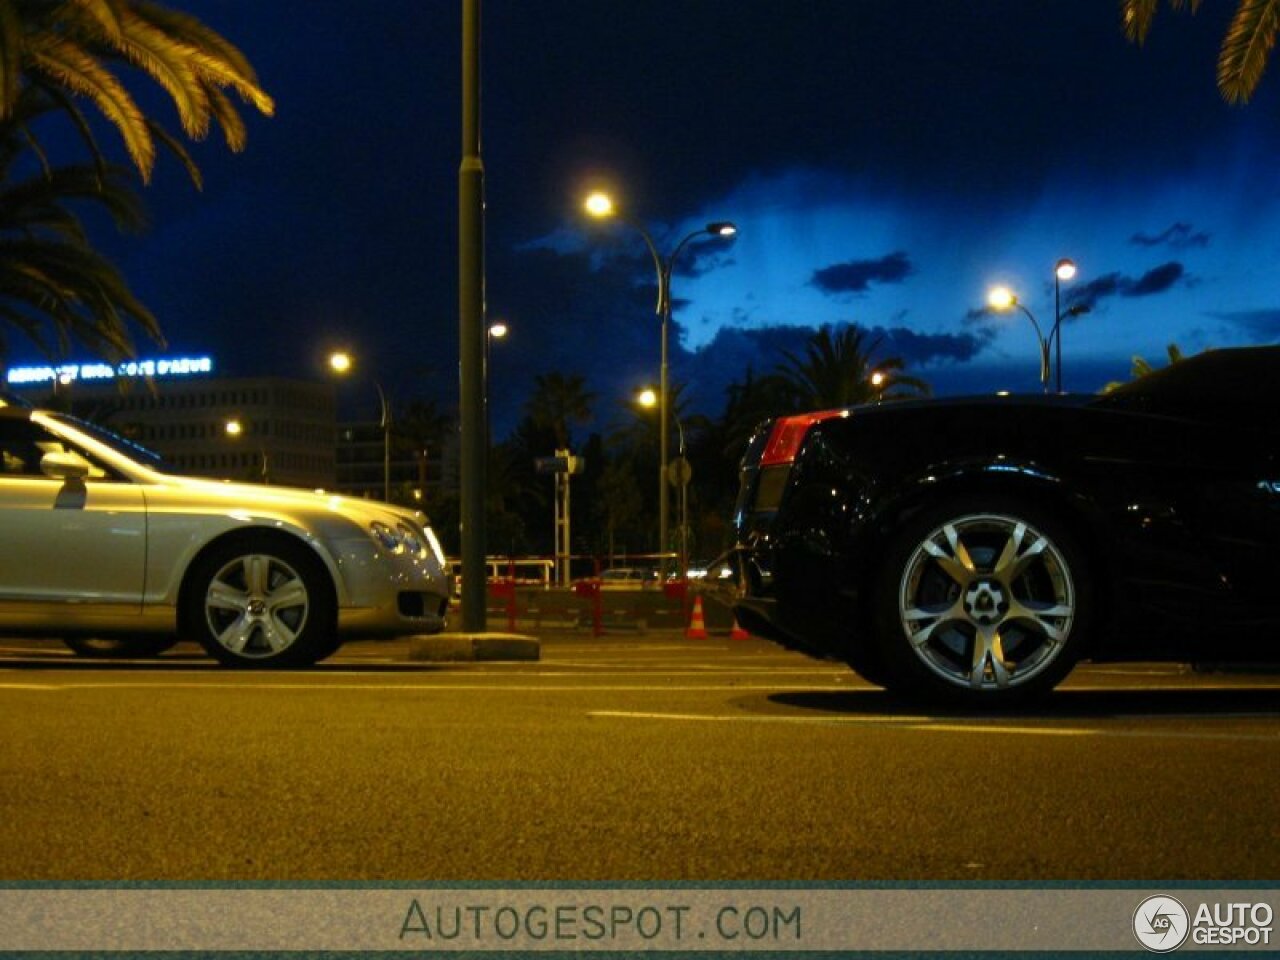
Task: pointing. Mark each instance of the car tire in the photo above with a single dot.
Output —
(119, 648)
(261, 600)
(982, 601)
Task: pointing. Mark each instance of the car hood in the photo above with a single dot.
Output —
(252, 497)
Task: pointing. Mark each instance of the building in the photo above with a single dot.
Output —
(263, 429)
(260, 429)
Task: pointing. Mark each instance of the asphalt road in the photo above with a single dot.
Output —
(631, 758)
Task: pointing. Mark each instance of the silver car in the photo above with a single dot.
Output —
(102, 547)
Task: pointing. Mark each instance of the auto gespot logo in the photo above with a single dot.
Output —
(1162, 924)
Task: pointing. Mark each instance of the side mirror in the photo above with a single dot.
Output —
(64, 466)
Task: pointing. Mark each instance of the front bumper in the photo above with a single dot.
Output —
(390, 594)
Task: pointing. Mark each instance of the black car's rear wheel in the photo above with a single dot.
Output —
(982, 601)
(261, 601)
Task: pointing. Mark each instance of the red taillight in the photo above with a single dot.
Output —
(788, 433)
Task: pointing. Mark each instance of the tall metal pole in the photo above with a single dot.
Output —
(471, 327)
(664, 509)
(386, 442)
(1057, 326)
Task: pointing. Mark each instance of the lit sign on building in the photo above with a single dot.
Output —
(71, 372)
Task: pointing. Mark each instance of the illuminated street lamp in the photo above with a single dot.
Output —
(1002, 300)
(341, 363)
(682, 474)
(879, 380)
(601, 206)
(235, 430)
(1064, 269)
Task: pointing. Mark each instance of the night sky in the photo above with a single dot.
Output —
(886, 161)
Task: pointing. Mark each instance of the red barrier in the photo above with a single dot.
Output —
(505, 590)
(591, 590)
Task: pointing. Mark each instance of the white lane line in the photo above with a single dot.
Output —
(931, 726)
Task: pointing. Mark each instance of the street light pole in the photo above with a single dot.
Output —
(385, 423)
(1003, 299)
(1064, 269)
(600, 205)
(471, 333)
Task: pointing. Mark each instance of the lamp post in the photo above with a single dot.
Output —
(1003, 299)
(1064, 269)
(600, 205)
(235, 430)
(879, 380)
(681, 476)
(341, 363)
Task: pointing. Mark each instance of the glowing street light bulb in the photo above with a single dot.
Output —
(648, 397)
(599, 205)
(1001, 298)
(498, 330)
(340, 362)
(234, 428)
(1065, 269)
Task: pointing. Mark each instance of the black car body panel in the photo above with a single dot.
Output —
(1171, 485)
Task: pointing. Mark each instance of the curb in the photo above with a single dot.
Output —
(474, 646)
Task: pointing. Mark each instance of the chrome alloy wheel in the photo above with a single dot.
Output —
(256, 606)
(986, 602)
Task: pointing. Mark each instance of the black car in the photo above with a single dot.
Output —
(975, 549)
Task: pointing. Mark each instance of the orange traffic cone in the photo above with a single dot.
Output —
(737, 633)
(697, 626)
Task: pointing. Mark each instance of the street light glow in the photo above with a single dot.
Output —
(498, 330)
(722, 228)
(234, 428)
(599, 205)
(340, 362)
(1001, 298)
(1066, 269)
(648, 397)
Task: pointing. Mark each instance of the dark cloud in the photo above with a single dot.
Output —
(1156, 280)
(856, 276)
(1180, 236)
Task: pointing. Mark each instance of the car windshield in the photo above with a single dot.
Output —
(122, 445)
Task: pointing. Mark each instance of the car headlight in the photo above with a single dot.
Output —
(412, 542)
(387, 538)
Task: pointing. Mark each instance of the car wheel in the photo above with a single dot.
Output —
(983, 602)
(119, 648)
(261, 601)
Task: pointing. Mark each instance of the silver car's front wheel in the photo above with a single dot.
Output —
(986, 605)
(261, 602)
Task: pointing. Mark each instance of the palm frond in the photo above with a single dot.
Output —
(101, 17)
(177, 148)
(1246, 48)
(171, 64)
(228, 117)
(80, 72)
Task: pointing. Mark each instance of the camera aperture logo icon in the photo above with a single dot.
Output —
(1161, 924)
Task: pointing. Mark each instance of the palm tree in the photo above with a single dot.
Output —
(75, 47)
(557, 401)
(1245, 49)
(837, 371)
(49, 271)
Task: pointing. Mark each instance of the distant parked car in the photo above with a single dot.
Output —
(629, 578)
(975, 549)
(103, 547)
